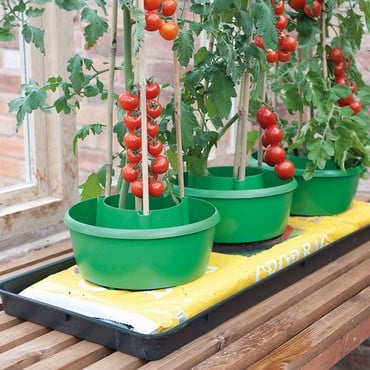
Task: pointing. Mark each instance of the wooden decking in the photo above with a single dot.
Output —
(311, 324)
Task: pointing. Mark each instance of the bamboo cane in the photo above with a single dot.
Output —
(112, 62)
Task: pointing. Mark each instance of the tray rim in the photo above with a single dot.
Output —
(157, 345)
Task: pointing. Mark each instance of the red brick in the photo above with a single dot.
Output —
(11, 171)
(12, 147)
(9, 82)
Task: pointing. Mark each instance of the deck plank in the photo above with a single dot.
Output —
(7, 321)
(37, 257)
(308, 344)
(256, 344)
(76, 356)
(117, 361)
(19, 334)
(35, 350)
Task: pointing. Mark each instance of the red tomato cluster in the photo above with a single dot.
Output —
(156, 12)
(341, 66)
(287, 43)
(311, 12)
(271, 138)
(132, 171)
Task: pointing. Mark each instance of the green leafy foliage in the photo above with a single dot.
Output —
(83, 132)
(97, 25)
(184, 46)
(92, 187)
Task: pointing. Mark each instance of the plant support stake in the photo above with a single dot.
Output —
(112, 62)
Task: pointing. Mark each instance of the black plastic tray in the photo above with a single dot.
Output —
(155, 346)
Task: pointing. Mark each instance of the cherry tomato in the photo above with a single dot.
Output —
(160, 164)
(263, 140)
(152, 4)
(258, 41)
(129, 173)
(169, 30)
(272, 56)
(341, 80)
(336, 55)
(128, 101)
(285, 169)
(274, 154)
(273, 135)
(266, 117)
(340, 69)
(132, 120)
(156, 188)
(153, 108)
(284, 56)
(297, 4)
(168, 7)
(279, 7)
(152, 128)
(288, 43)
(133, 156)
(347, 100)
(356, 106)
(152, 90)
(132, 141)
(314, 11)
(282, 22)
(137, 188)
(153, 22)
(155, 147)
(353, 87)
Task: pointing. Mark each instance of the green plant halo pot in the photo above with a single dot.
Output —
(329, 192)
(247, 215)
(136, 258)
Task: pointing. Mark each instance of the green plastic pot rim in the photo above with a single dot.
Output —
(352, 171)
(290, 185)
(140, 213)
(331, 173)
(138, 234)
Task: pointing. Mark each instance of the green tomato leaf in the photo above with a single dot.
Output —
(184, 45)
(83, 132)
(188, 123)
(70, 4)
(34, 12)
(35, 35)
(91, 188)
(96, 27)
(6, 34)
(221, 91)
(77, 78)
